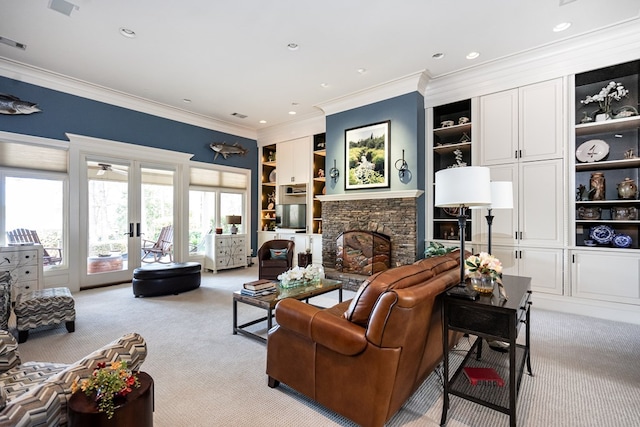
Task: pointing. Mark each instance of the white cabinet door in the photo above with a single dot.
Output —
(524, 124)
(608, 276)
(541, 203)
(544, 266)
(498, 127)
(293, 161)
(316, 249)
(541, 121)
(505, 221)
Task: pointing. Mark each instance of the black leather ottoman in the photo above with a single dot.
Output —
(164, 279)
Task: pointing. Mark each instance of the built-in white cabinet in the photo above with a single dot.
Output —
(543, 265)
(537, 216)
(522, 124)
(293, 164)
(222, 251)
(606, 275)
(24, 263)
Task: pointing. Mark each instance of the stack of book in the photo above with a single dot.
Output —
(483, 376)
(259, 287)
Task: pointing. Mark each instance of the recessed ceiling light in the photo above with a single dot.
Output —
(438, 55)
(293, 46)
(263, 121)
(126, 32)
(293, 113)
(324, 84)
(561, 27)
(362, 70)
(186, 101)
(472, 55)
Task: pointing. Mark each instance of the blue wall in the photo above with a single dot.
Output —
(406, 113)
(64, 113)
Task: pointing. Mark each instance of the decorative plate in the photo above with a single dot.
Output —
(272, 176)
(602, 234)
(622, 241)
(593, 150)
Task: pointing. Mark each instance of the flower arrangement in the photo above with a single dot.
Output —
(299, 275)
(611, 92)
(108, 383)
(476, 265)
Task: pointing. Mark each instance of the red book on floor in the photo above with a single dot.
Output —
(487, 376)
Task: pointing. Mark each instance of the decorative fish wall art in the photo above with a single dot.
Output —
(10, 104)
(226, 150)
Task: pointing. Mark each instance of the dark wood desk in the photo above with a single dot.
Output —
(490, 318)
(136, 412)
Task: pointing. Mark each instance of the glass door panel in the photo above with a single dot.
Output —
(157, 215)
(108, 218)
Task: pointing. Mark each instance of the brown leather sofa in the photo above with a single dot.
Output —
(365, 357)
(269, 268)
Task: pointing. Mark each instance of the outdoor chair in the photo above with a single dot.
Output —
(161, 247)
(50, 256)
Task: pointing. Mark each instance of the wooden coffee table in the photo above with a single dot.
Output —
(268, 302)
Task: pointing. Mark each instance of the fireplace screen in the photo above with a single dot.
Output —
(363, 252)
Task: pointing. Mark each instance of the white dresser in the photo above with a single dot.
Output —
(25, 265)
(223, 251)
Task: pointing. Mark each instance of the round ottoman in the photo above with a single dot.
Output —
(164, 279)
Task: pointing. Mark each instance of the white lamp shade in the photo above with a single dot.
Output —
(501, 195)
(463, 186)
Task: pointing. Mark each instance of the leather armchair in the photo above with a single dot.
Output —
(269, 268)
(364, 358)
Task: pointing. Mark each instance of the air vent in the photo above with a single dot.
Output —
(12, 43)
(238, 115)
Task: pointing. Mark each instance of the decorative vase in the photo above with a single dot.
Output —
(627, 189)
(483, 283)
(601, 117)
(597, 186)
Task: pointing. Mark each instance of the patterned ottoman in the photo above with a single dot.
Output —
(44, 307)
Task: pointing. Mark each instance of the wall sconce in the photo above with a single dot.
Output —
(334, 173)
(401, 165)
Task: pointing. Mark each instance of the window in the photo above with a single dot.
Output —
(33, 179)
(213, 195)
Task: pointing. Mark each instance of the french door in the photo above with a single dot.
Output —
(125, 204)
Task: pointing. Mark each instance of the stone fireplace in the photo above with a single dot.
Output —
(395, 217)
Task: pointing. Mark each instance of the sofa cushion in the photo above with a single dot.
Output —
(395, 278)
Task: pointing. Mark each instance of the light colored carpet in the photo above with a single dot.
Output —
(586, 371)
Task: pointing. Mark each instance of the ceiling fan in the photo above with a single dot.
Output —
(106, 167)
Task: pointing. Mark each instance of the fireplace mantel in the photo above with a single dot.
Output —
(372, 195)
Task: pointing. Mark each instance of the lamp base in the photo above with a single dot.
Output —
(234, 229)
(461, 291)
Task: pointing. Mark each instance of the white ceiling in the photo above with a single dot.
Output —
(232, 56)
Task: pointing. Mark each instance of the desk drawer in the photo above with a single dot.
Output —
(468, 317)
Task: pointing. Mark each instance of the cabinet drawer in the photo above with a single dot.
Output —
(25, 273)
(26, 286)
(22, 257)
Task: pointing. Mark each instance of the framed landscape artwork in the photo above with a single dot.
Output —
(367, 156)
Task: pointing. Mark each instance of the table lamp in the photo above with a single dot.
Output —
(501, 198)
(462, 187)
(234, 220)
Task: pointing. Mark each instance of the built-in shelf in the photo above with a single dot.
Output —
(615, 125)
(609, 164)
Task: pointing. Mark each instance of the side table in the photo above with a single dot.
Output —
(490, 318)
(137, 411)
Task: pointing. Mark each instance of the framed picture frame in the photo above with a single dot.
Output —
(367, 156)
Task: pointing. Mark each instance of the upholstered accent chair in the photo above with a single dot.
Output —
(37, 393)
(272, 260)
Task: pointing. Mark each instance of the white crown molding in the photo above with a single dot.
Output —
(598, 49)
(309, 125)
(416, 82)
(40, 77)
(402, 194)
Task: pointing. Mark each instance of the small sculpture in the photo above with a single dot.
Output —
(320, 173)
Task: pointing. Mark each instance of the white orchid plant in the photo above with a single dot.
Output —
(299, 275)
(611, 92)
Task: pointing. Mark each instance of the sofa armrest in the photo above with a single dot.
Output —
(9, 355)
(335, 333)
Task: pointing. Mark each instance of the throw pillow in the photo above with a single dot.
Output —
(278, 253)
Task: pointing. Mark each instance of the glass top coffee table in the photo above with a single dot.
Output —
(268, 302)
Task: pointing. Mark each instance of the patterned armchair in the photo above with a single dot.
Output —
(36, 393)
